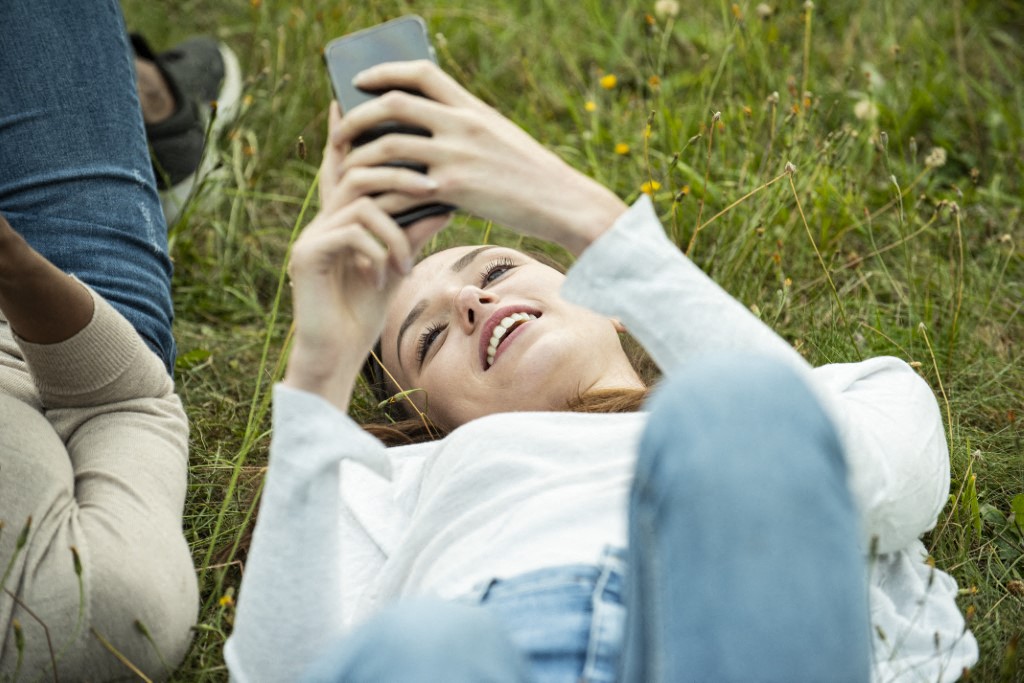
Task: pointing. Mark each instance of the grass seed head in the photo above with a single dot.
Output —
(666, 8)
(936, 158)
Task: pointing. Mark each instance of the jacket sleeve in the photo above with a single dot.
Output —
(292, 601)
(886, 415)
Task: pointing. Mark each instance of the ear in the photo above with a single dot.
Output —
(619, 327)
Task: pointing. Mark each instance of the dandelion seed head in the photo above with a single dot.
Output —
(865, 110)
(790, 167)
(936, 158)
(764, 11)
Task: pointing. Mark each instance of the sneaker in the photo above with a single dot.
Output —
(205, 79)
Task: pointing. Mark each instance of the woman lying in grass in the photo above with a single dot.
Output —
(758, 519)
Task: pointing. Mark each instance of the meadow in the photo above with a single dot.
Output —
(849, 170)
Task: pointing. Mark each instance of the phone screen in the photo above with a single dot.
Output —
(399, 40)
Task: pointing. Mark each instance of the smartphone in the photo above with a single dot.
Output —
(398, 40)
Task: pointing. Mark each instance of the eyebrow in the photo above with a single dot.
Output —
(458, 266)
(461, 264)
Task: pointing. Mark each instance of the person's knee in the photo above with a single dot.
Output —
(423, 640)
(145, 603)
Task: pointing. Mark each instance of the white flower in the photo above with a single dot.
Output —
(865, 110)
(936, 157)
(666, 8)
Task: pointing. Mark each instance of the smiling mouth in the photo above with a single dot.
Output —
(503, 329)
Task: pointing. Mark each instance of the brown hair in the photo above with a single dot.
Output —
(421, 430)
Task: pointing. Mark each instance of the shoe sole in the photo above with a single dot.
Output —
(229, 102)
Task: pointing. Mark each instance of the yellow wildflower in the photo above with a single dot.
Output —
(650, 186)
(621, 148)
(590, 106)
(608, 81)
(226, 601)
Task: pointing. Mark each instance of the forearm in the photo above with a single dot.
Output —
(290, 605)
(43, 304)
(638, 276)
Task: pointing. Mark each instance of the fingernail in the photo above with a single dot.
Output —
(426, 182)
(359, 78)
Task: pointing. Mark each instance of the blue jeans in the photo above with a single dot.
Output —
(76, 180)
(743, 565)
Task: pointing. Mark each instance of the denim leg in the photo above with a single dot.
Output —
(424, 640)
(744, 556)
(75, 174)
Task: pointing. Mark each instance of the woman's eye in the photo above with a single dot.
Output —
(427, 339)
(495, 270)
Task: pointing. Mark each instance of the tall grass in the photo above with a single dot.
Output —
(791, 150)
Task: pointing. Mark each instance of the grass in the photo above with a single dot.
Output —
(874, 245)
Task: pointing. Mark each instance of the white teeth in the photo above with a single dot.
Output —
(501, 330)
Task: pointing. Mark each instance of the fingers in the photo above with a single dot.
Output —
(393, 106)
(370, 180)
(411, 149)
(420, 75)
(332, 236)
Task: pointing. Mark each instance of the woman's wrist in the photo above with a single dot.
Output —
(310, 372)
(594, 220)
(586, 211)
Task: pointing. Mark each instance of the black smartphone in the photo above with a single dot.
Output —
(398, 40)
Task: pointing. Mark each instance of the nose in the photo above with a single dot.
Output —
(470, 303)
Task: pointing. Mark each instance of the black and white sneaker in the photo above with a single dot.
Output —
(205, 79)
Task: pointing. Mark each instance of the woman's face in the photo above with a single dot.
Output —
(481, 330)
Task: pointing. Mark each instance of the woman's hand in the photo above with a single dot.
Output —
(344, 268)
(481, 161)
